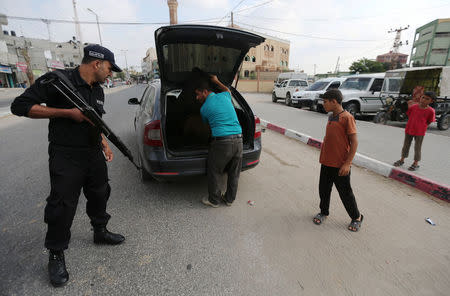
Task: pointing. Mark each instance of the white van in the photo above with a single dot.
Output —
(309, 96)
(361, 93)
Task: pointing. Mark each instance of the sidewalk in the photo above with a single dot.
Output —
(377, 142)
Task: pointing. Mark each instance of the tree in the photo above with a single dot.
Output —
(365, 65)
(121, 75)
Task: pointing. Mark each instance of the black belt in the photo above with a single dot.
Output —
(237, 136)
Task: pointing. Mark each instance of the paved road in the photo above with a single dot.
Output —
(177, 246)
(380, 142)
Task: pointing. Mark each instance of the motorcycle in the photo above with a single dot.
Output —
(394, 109)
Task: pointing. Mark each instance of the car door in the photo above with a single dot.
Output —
(371, 100)
(145, 114)
(280, 91)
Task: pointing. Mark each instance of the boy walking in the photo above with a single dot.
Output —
(336, 155)
(419, 117)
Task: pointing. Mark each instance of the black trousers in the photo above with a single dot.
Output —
(224, 156)
(73, 169)
(330, 176)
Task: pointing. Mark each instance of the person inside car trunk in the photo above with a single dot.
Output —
(225, 148)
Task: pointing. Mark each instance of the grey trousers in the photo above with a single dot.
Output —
(224, 156)
(417, 146)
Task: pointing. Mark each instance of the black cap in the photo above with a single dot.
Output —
(332, 94)
(102, 53)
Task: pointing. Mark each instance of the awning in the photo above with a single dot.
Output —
(5, 69)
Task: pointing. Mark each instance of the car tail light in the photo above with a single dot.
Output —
(152, 134)
(257, 128)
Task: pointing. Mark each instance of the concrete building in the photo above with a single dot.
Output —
(391, 56)
(432, 44)
(25, 59)
(150, 64)
(270, 56)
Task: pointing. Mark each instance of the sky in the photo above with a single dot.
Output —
(319, 32)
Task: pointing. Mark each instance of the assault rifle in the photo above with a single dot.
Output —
(66, 88)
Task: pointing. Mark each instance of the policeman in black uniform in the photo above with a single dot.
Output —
(77, 153)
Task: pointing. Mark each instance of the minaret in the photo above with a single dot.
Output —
(173, 4)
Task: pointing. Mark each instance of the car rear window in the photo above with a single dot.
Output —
(180, 59)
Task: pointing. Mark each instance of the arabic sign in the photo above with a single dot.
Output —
(5, 69)
(55, 64)
(21, 66)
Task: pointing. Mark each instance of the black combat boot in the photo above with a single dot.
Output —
(103, 236)
(57, 269)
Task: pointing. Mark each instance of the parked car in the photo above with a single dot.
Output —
(361, 93)
(172, 139)
(290, 75)
(287, 88)
(310, 96)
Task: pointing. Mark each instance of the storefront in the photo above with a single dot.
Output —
(6, 76)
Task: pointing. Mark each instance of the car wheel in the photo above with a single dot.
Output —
(288, 100)
(313, 106)
(145, 176)
(274, 97)
(381, 117)
(443, 122)
(352, 108)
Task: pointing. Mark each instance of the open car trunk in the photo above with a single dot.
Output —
(213, 50)
(185, 132)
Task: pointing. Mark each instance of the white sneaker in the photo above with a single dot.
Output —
(206, 201)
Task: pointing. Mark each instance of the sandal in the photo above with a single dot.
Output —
(319, 218)
(355, 224)
(398, 163)
(413, 167)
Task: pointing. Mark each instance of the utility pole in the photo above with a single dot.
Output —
(336, 70)
(77, 26)
(232, 23)
(98, 26)
(315, 69)
(124, 51)
(47, 22)
(396, 46)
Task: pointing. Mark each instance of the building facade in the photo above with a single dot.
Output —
(391, 56)
(149, 64)
(432, 44)
(22, 60)
(270, 56)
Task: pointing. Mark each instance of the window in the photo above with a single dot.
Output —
(443, 34)
(271, 48)
(333, 85)
(394, 85)
(286, 63)
(356, 83)
(376, 85)
(293, 83)
(439, 50)
(253, 59)
(281, 63)
(303, 83)
(319, 85)
(150, 101)
(246, 73)
(247, 58)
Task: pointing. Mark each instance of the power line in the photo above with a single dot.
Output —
(309, 36)
(211, 20)
(254, 6)
(237, 5)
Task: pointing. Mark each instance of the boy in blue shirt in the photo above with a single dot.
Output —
(225, 148)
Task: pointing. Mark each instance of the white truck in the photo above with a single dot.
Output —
(285, 89)
(361, 93)
(309, 96)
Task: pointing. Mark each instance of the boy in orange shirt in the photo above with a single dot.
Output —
(336, 155)
(419, 117)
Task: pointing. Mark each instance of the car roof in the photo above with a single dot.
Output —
(368, 75)
(329, 79)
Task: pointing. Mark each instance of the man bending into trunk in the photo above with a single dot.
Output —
(225, 148)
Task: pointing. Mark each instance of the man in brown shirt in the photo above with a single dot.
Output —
(336, 155)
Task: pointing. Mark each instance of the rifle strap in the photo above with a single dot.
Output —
(66, 80)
